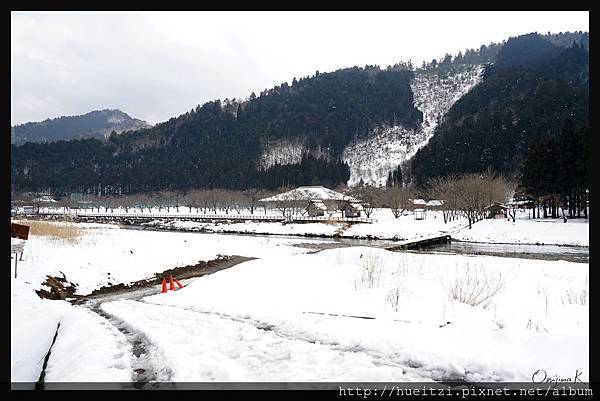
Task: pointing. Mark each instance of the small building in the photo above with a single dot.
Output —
(434, 204)
(420, 214)
(496, 211)
(44, 198)
(316, 208)
(418, 203)
(316, 201)
(353, 209)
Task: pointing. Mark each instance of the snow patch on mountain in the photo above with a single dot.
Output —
(287, 151)
(435, 92)
(385, 148)
(281, 152)
(371, 159)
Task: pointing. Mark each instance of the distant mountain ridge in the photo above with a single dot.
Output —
(95, 124)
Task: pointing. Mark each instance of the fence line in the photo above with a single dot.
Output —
(200, 216)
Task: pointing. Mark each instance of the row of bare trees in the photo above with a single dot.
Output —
(398, 199)
(203, 201)
(470, 195)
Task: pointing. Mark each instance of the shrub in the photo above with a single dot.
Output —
(474, 286)
(576, 296)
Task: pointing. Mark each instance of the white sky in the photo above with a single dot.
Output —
(157, 65)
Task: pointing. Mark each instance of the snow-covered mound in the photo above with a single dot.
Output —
(385, 148)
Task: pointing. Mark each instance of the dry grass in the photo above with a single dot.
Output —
(371, 267)
(58, 232)
(576, 296)
(400, 289)
(474, 286)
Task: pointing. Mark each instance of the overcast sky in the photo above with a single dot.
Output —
(157, 65)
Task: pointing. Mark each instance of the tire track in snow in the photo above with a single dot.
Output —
(409, 365)
(146, 359)
(206, 346)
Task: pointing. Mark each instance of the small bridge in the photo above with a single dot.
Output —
(418, 243)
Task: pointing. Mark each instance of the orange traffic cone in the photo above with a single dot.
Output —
(171, 285)
(178, 283)
(164, 286)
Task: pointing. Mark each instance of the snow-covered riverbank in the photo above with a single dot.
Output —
(502, 231)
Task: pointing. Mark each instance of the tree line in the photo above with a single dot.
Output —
(556, 173)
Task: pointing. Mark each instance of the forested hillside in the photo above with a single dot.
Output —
(524, 97)
(218, 144)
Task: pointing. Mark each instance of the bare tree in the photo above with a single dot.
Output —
(476, 192)
(212, 198)
(238, 201)
(398, 199)
(470, 195)
(226, 199)
(194, 198)
(64, 202)
(252, 197)
(127, 202)
(444, 189)
(369, 196)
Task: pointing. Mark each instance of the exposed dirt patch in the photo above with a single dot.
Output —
(60, 288)
(199, 269)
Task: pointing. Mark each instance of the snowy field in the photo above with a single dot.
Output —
(353, 314)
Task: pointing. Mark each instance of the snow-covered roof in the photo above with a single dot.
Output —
(435, 202)
(313, 193)
(419, 202)
(356, 205)
(419, 210)
(44, 198)
(319, 205)
(497, 205)
(518, 203)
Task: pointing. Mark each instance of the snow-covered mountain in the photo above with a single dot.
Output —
(385, 148)
(95, 124)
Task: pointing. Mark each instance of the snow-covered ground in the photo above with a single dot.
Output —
(292, 316)
(524, 231)
(103, 255)
(87, 347)
(106, 256)
(529, 325)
